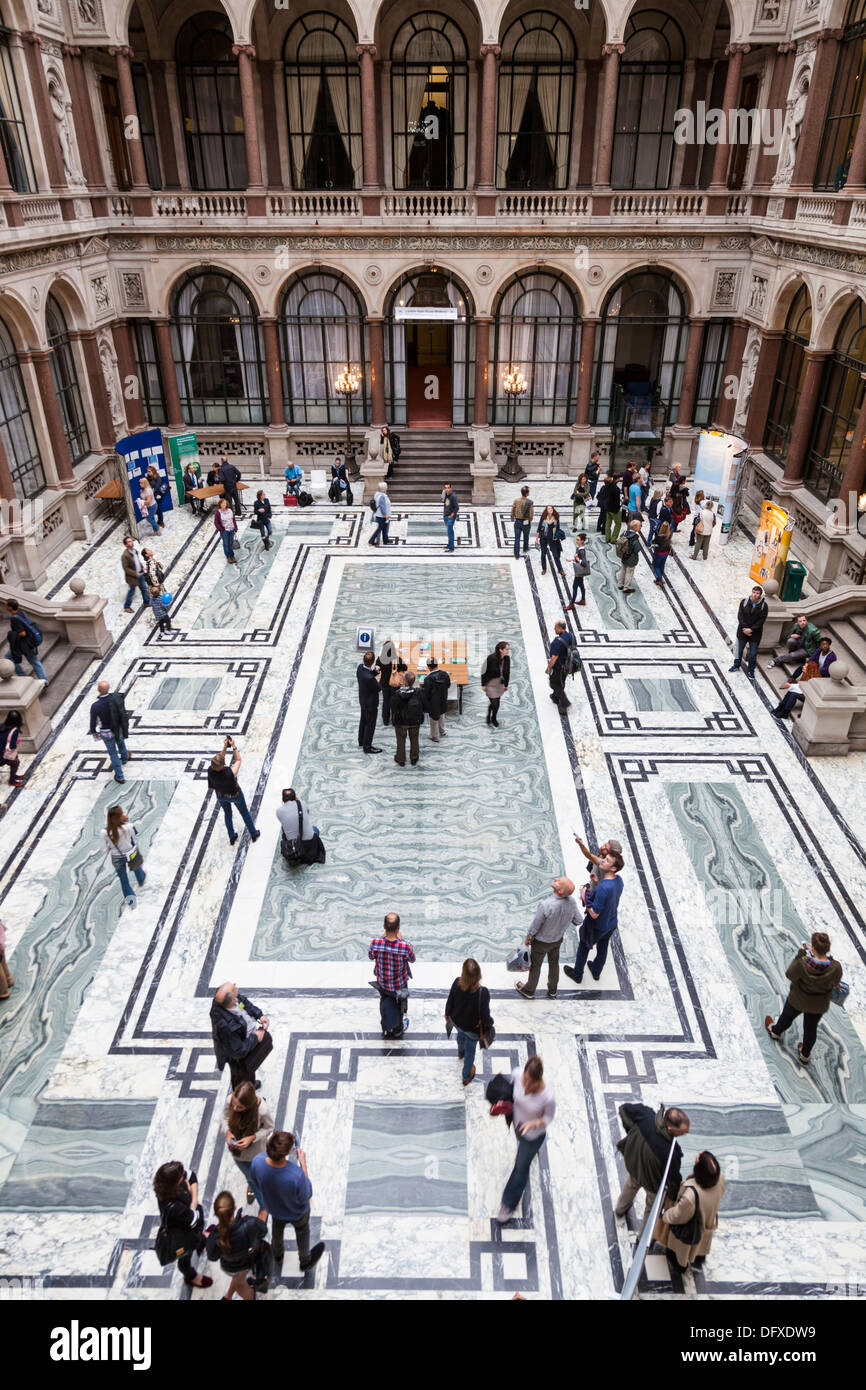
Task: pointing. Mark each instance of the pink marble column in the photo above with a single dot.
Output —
(487, 145)
(482, 369)
(105, 431)
(50, 406)
(245, 53)
(611, 53)
(128, 367)
(685, 412)
(801, 431)
(129, 111)
(725, 408)
(169, 373)
(44, 114)
(584, 380)
(163, 122)
(369, 117)
(276, 409)
(812, 129)
(376, 333)
(735, 52)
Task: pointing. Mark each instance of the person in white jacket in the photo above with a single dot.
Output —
(118, 841)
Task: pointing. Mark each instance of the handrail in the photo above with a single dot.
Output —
(631, 1279)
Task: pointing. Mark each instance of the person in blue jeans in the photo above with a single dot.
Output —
(601, 900)
(225, 522)
(450, 509)
(118, 841)
(382, 515)
(107, 721)
(294, 479)
(223, 781)
(22, 641)
(534, 1108)
(468, 1009)
(521, 516)
(751, 616)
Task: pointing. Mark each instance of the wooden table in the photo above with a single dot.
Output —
(111, 492)
(215, 491)
(449, 652)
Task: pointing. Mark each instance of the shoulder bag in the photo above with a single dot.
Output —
(135, 858)
(489, 1037)
(691, 1231)
(581, 567)
(173, 1242)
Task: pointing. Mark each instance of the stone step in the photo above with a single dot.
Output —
(849, 643)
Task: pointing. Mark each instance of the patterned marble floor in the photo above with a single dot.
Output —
(736, 847)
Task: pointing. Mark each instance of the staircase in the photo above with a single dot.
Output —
(841, 614)
(428, 459)
(64, 667)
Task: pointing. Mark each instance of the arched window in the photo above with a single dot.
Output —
(846, 102)
(789, 376)
(323, 101)
(149, 371)
(536, 97)
(429, 80)
(13, 132)
(65, 375)
(537, 333)
(650, 77)
(839, 404)
(321, 332)
(642, 344)
(217, 351)
(429, 356)
(16, 426)
(210, 100)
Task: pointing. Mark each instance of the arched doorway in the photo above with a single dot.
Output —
(839, 404)
(642, 345)
(429, 351)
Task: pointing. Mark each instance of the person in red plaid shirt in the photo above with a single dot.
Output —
(393, 956)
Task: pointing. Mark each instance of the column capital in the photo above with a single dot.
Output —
(787, 47)
(490, 49)
(374, 318)
(29, 36)
(824, 35)
(121, 50)
(267, 318)
(366, 50)
(70, 50)
(608, 48)
(733, 48)
(247, 50)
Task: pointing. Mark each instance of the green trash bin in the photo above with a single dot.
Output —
(792, 584)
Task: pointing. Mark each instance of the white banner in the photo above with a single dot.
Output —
(419, 314)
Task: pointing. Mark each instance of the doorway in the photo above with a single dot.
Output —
(429, 352)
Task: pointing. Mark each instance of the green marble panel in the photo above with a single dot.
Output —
(309, 527)
(760, 929)
(234, 595)
(79, 1155)
(407, 1159)
(617, 609)
(463, 845)
(764, 1175)
(665, 694)
(186, 693)
(831, 1142)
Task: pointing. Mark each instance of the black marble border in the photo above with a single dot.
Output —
(730, 721)
(250, 671)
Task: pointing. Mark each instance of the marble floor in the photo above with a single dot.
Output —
(736, 847)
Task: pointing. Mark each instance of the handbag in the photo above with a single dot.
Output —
(263, 1267)
(485, 1039)
(839, 993)
(289, 499)
(134, 859)
(173, 1242)
(581, 567)
(517, 959)
(691, 1231)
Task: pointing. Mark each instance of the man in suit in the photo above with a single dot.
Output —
(241, 1034)
(368, 698)
(230, 476)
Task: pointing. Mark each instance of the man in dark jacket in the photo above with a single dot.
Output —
(109, 720)
(368, 698)
(241, 1034)
(434, 694)
(751, 616)
(645, 1149)
(230, 476)
(407, 715)
(629, 558)
(611, 505)
(22, 641)
(450, 510)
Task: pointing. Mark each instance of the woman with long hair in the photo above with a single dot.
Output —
(468, 1009)
(814, 974)
(226, 523)
(235, 1241)
(661, 549)
(154, 577)
(578, 501)
(387, 450)
(495, 678)
(118, 841)
(179, 1210)
(147, 509)
(702, 1191)
(534, 1108)
(549, 535)
(248, 1125)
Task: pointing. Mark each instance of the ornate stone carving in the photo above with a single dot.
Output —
(112, 381)
(373, 274)
(757, 294)
(555, 245)
(133, 289)
(89, 13)
(726, 288)
(823, 255)
(821, 296)
(747, 377)
(61, 109)
(101, 293)
(263, 274)
(795, 113)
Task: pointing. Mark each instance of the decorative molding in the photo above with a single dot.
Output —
(366, 48)
(726, 287)
(101, 292)
(757, 296)
(132, 289)
(493, 48)
(609, 48)
(108, 361)
(824, 256)
(318, 244)
(247, 50)
(747, 377)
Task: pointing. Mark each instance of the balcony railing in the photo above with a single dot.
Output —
(314, 205)
(658, 205)
(543, 205)
(427, 205)
(815, 209)
(858, 213)
(197, 205)
(40, 210)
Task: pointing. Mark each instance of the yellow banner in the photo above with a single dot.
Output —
(771, 543)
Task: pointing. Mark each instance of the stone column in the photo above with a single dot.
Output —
(854, 477)
(762, 390)
(687, 95)
(611, 53)
(856, 181)
(245, 53)
(376, 333)
(685, 413)
(163, 121)
(45, 116)
(487, 145)
(735, 53)
(482, 369)
(588, 123)
(269, 121)
(366, 56)
(812, 129)
(276, 409)
(129, 112)
(7, 487)
(780, 81)
(82, 115)
(733, 367)
(105, 432)
(795, 463)
(41, 359)
(692, 155)
(128, 367)
(169, 373)
(584, 379)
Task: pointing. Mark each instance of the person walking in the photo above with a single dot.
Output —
(368, 699)
(581, 566)
(393, 957)
(180, 1214)
(696, 514)
(226, 523)
(223, 782)
(602, 509)
(241, 1034)
(751, 616)
(118, 841)
(553, 916)
(611, 501)
(635, 497)
(644, 479)
(230, 476)
(593, 468)
(109, 720)
(384, 671)
(10, 738)
(300, 841)
(495, 678)
(434, 696)
(628, 553)
(450, 512)
(534, 1108)
(6, 978)
(521, 517)
(814, 975)
(236, 1241)
(381, 505)
(248, 1124)
(191, 482)
(286, 1187)
(661, 549)
(407, 714)
(702, 1191)
(549, 536)
(706, 520)
(578, 501)
(133, 572)
(559, 664)
(645, 1149)
(146, 504)
(155, 578)
(794, 691)
(601, 901)
(24, 639)
(801, 642)
(262, 518)
(652, 510)
(467, 1008)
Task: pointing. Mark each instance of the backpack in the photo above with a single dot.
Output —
(31, 629)
(622, 544)
(292, 849)
(119, 713)
(304, 499)
(572, 660)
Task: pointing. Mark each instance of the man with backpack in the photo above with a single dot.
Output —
(109, 720)
(628, 552)
(24, 639)
(703, 531)
(563, 662)
(407, 716)
(230, 476)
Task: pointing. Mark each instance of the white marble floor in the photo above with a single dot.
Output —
(734, 846)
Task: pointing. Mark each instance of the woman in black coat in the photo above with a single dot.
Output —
(235, 1241)
(180, 1213)
(262, 517)
(495, 678)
